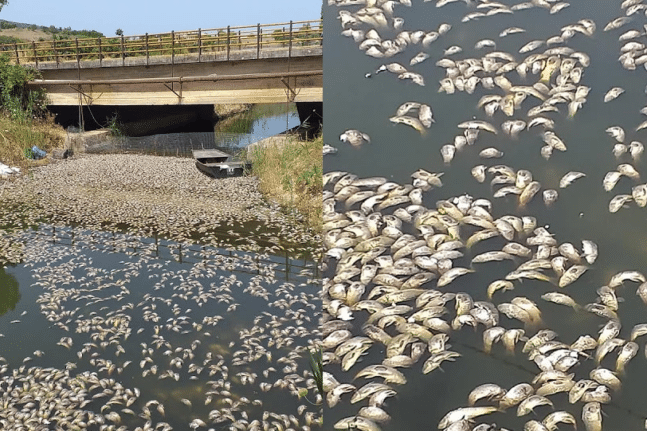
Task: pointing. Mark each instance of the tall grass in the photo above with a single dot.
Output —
(290, 173)
(18, 135)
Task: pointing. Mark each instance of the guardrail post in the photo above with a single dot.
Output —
(55, 52)
(78, 58)
(199, 45)
(33, 45)
(123, 53)
(15, 47)
(146, 49)
(172, 47)
(228, 35)
(290, 42)
(100, 53)
(258, 40)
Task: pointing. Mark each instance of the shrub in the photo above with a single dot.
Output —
(19, 101)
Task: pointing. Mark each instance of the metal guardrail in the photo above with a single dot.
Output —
(282, 36)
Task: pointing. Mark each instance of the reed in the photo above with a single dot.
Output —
(290, 173)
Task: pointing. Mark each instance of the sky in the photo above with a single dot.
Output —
(136, 17)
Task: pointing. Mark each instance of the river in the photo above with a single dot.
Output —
(395, 151)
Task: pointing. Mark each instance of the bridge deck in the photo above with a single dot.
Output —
(267, 64)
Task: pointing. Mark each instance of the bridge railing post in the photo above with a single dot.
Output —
(146, 49)
(228, 36)
(78, 58)
(15, 47)
(172, 47)
(258, 40)
(100, 52)
(290, 42)
(55, 51)
(33, 45)
(199, 45)
(123, 53)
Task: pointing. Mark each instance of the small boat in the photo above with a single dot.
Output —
(218, 164)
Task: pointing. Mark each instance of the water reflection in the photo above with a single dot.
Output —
(9, 292)
(231, 134)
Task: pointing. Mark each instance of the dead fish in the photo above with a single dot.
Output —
(354, 137)
(531, 46)
(513, 127)
(416, 78)
(629, 171)
(419, 58)
(529, 192)
(451, 275)
(464, 413)
(568, 178)
(406, 107)
(396, 68)
(357, 422)
(610, 180)
(447, 151)
(629, 350)
(560, 298)
(478, 124)
(636, 149)
(618, 201)
(617, 133)
(425, 115)
(409, 121)
(511, 30)
(550, 196)
(490, 391)
(515, 395)
(491, 256)
(639, 194)
(619, 149)
(455, 49)
(490, 153)
(614, 24)
(589, 251)
(620, 278)
(571, 274)
(489, 43)
(613, 93)
(478, 172)
(447, 86)
(528, 405)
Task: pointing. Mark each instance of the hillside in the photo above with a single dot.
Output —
(32, 32)
(25, 34)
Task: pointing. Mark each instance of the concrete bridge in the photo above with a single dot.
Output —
(271, 63)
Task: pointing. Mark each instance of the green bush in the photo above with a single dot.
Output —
(15, 97)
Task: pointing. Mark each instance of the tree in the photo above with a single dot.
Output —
(119, 32)
(3, 3)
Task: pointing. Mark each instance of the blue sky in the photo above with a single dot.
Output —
(157, 16)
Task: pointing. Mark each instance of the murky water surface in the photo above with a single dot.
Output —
(230, 134)
(129, 324)
(395, 151)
